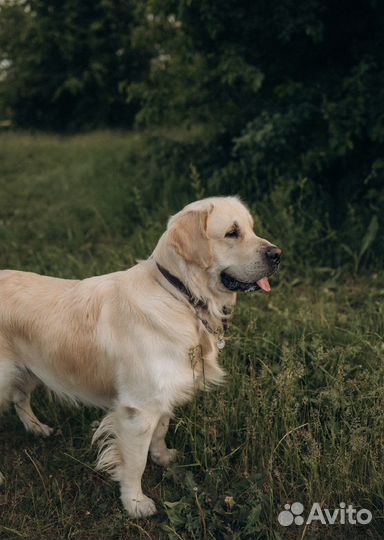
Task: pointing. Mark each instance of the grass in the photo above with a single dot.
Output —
(299, 419)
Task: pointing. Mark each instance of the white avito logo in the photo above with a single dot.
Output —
(291, 514)
(341, 515)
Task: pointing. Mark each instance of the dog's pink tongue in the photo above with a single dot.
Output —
(263, 283)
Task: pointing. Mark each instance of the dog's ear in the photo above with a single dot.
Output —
(188, 236)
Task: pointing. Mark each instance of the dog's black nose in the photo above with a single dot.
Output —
(273, 254)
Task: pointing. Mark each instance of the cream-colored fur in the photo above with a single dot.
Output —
(129, 341)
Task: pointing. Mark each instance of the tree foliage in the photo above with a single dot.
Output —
(66, 64)
(294, 93)
(296, 86)
(285, 94)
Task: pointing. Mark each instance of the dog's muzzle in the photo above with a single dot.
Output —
(273, 256)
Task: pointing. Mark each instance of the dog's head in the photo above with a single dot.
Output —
(217, 235)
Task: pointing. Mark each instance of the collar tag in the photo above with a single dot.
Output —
(220, 344)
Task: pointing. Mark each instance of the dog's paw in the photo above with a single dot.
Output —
(139, 508)
(165, 458)
(41, 429)
(46, 431)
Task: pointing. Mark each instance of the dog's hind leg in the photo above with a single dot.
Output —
(21, 397)
(8, 375)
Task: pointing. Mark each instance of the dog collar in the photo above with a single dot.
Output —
(176, 282)
(195, 303)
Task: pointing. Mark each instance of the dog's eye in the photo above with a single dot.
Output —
(233, 233)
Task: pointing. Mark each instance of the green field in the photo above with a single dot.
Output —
(301, 417)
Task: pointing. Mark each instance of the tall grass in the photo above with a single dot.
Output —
(300, 417)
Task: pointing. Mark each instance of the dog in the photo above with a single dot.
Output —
(137, 342)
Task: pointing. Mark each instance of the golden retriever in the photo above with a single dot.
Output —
(137, 342)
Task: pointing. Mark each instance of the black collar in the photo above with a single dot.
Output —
(176, 282)
(195, 302)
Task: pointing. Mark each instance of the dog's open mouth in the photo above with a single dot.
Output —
(235, 285)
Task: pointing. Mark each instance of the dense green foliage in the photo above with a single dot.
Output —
(284, 100)
(294, 94)
(300, 417)
(67, 64)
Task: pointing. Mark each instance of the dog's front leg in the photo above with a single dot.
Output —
(160, 454)
(135, 430)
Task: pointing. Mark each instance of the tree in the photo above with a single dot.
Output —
(67, 63)
(292, 88)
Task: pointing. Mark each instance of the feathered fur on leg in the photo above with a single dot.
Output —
(105, 436)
